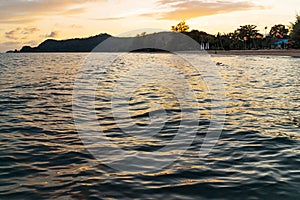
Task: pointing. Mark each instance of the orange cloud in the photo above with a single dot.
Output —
(19, 11)
(181, 9)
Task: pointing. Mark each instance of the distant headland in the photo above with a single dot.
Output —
(69, 45)
(154, 42)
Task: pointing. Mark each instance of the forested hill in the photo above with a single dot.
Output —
(163, 41)
(70, 45)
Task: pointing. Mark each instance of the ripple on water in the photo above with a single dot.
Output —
(42, 155)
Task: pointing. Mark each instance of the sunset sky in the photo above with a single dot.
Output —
(29, 22)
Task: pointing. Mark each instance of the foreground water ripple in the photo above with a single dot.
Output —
(42, 155)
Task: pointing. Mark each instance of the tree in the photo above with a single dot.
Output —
(279, 30)
(295, 32)
(248, 31)
(248, 34)
(181, 27)
(198, 36)
(141, 34)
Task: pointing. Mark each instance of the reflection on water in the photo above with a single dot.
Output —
(42, 156)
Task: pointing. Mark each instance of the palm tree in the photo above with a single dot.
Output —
(248, 33)
(279, 30)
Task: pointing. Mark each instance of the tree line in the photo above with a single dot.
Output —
(247, 37)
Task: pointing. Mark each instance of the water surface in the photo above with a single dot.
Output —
(43, 157)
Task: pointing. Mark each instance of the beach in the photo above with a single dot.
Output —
(267, 52)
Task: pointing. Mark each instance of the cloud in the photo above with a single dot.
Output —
(30, 43)
(169, 1)
(27, 31)
(13, 34)
(15, 11)
(75, 11)
(109, 18)
(10, 43)
(16, 45)
(17, 21)
(19, 32)
(182, 9)
(75, 26)
(53, 34)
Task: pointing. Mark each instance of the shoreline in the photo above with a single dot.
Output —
(267, 52)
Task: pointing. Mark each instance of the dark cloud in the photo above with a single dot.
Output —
(13, 34)
(27, 31)
(18, 32)
(182, 9)
(53, 34)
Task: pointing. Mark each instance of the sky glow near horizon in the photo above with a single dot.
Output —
(29, 22)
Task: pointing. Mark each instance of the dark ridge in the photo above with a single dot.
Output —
(157, 42)
(70, 45)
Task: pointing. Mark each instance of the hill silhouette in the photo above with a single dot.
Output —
(156, 42)
(69, 45)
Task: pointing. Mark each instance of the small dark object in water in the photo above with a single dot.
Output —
(295, 120)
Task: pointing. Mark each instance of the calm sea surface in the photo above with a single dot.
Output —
(42, 155)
